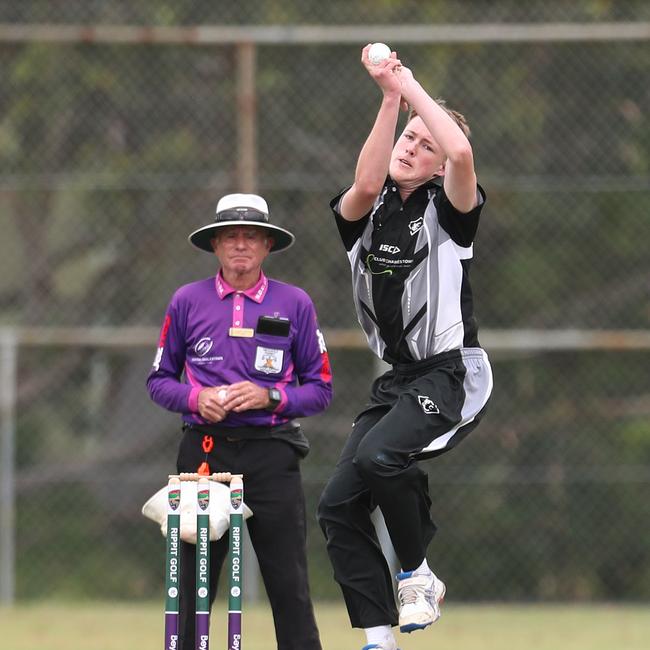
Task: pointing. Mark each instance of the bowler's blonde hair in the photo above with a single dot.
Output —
(459, 118)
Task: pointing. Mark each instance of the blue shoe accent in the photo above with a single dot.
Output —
(402, 576)
(411, 627)
(370, 647)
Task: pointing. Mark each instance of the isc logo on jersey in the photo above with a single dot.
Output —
(387, 248)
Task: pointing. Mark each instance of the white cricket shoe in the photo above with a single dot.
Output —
(389, 644)
(419, 597)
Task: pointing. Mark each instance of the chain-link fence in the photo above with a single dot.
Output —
(112, 152)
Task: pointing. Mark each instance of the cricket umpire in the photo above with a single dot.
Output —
(240, 356)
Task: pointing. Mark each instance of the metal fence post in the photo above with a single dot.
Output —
(246, 54)
(8, 354)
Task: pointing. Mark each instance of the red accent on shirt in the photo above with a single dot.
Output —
(326, 368)
(163, 332)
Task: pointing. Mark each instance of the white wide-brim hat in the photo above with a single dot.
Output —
(241, 210)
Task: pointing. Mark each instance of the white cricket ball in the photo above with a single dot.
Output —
(222, 395)
(378, 52)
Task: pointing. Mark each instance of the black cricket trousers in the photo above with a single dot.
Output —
(273, 490)
(417, 411)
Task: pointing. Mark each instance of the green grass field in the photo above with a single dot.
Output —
(128, 626)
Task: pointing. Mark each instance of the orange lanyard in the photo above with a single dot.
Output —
(208, 445)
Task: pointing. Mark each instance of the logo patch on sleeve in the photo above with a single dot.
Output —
(321, 341)
(269, 360)
(158, 359)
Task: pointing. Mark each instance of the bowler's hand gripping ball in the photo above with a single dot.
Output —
(378, 52)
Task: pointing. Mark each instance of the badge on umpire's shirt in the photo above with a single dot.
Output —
(269, 360)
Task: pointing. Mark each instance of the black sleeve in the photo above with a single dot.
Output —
(350, 231)
(461, 226)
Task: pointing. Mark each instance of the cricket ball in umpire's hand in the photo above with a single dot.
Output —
(378, 52)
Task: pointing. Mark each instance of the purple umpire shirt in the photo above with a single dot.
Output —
(212, 335)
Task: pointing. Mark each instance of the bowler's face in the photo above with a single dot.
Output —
(416, 156)
(241, 249)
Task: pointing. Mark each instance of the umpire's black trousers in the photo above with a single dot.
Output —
(273, 490)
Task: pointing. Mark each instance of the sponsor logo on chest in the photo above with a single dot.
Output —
(202, 348)
(389, 248)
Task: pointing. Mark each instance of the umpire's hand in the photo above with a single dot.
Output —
(245, 396)
(210, 404)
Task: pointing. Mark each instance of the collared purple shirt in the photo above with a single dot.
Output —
(197, 349)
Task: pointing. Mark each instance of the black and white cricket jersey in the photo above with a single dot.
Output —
(410, 272)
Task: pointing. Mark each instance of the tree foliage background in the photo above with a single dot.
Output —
(111, 154)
